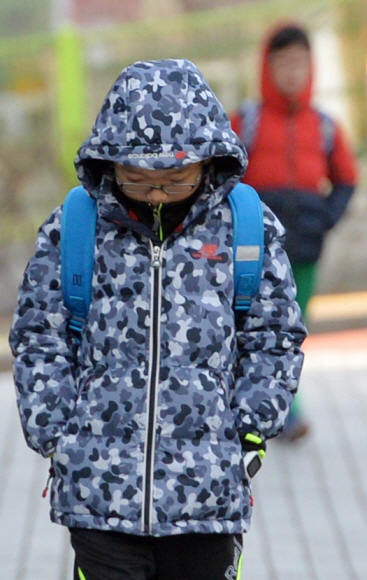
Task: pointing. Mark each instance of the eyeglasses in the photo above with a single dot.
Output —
(145, 188)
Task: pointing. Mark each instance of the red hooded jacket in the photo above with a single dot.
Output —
(307, 188)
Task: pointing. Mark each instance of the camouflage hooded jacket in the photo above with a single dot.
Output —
(143, 420)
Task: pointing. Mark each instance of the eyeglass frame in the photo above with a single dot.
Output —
(163, 188)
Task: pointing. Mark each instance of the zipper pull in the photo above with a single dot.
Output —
(51, 475)
(156, 257)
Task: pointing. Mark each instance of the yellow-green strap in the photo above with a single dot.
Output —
(239, 567)
(160, 222)
(253, 438)
(81, 575)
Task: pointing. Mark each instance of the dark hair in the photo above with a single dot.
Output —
(288, 36)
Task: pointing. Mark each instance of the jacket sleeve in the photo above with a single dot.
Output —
(343, 172)
(43, 349)
(269, 338)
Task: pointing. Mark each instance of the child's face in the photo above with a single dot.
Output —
(182, 182)
(290, 68)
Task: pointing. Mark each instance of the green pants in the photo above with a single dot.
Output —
(305, 278)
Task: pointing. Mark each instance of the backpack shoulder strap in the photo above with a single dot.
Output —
(328, 132)
(78, 230)
(250, 119)
(248, 243)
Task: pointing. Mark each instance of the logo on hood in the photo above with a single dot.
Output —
(178, 155)
(181, 155)
(150, 155)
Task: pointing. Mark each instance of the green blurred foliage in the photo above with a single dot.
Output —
(19, 17)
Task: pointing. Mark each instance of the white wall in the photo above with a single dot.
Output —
(330, 88)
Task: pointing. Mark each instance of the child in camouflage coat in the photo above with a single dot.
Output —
(148, 420)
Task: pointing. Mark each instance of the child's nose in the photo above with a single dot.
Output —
(157, 196)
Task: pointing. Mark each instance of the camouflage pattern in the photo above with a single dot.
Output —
(143, 420)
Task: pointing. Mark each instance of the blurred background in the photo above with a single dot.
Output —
(58, 59)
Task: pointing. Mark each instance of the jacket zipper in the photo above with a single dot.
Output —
(292, 169)
(153, 379)
(157, 224)
(291, 150)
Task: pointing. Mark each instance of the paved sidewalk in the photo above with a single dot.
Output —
(310, 517)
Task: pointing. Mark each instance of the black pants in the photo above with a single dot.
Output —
(103, 555)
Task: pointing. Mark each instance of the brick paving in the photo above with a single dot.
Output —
(310, 515)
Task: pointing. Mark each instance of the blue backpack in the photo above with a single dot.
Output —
(78, 230)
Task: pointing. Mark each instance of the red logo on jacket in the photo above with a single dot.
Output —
(208, 251)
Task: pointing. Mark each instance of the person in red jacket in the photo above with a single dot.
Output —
(299, 162)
